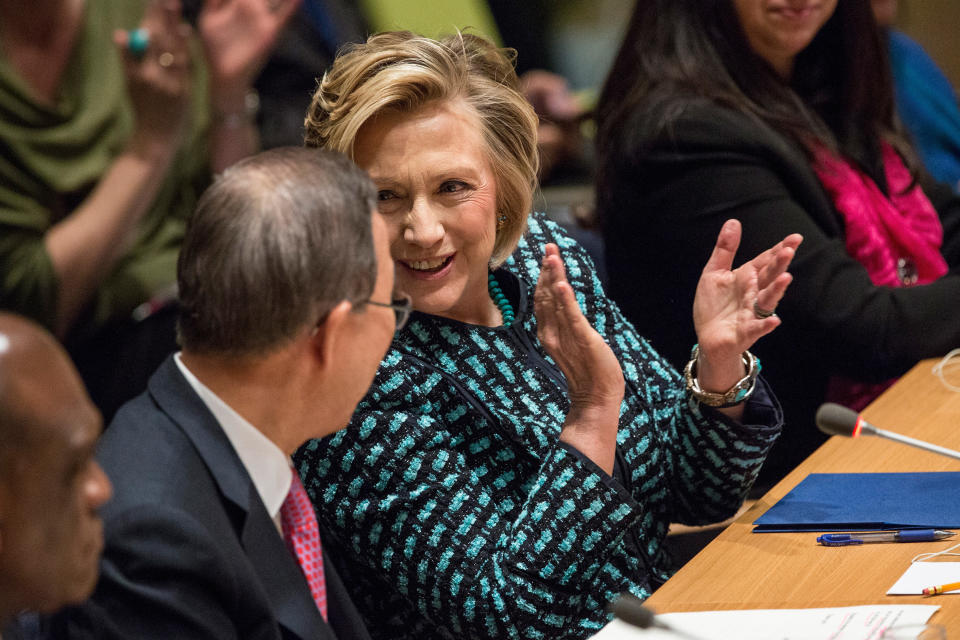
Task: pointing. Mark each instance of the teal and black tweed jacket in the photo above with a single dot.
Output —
(450, 508)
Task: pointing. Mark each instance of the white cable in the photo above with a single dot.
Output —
(949, 361)
(923, 557)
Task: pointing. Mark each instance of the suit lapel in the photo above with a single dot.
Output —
(344, 618)
(278, 570)
(280, 574)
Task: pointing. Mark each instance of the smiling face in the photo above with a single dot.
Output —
(778, 30)
(437, 193)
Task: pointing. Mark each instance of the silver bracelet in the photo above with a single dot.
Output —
(733, 396)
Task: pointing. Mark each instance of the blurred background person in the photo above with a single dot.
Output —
(926, 101)
(782, 116)
(303, 52)
(113, 117)
(320, 27)
(50, 485)
(522, 450)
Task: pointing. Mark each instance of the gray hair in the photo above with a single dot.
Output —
(277, 241)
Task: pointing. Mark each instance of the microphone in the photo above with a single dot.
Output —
(630, 609)
(836, 420)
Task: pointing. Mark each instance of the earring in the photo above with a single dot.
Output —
(501, 220)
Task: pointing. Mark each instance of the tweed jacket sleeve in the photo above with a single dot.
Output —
(711, 461)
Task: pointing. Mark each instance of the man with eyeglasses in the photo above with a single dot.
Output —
(210, 533)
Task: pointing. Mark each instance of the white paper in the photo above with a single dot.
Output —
(923, 575)
(836, 623)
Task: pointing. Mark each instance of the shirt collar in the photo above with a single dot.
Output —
(269, 468)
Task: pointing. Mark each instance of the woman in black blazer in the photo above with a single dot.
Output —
(723, 108)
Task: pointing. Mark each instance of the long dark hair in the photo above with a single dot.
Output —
(840, 93)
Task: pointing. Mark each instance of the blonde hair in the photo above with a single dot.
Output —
(402, 71)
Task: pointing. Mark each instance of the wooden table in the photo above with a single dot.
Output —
(745, 570)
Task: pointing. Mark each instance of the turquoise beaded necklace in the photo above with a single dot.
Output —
(500, 299)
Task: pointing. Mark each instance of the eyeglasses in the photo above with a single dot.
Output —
(401, 308)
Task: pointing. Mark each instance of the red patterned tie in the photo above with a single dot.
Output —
(302, 536)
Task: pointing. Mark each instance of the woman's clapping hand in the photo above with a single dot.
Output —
(730, 304)
(593, 373)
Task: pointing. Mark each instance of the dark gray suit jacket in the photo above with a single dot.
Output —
(190, 549)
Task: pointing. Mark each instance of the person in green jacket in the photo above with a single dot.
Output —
(113, 115)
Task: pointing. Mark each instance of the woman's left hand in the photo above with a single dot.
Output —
(238, 36)
(725, 309)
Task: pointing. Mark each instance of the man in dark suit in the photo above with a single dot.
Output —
(285, 281)
(50, 484)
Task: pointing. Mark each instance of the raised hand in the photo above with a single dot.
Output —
(558, 132)
(730, 304)
(158, 79)
(238, 36)
(593, 373)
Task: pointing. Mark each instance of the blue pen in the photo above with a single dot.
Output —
(905, 535)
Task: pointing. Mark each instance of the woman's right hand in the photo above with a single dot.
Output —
(594, 376)
(158, 83)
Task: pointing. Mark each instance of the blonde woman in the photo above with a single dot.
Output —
(522, 450)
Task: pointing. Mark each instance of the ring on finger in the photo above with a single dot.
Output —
(138, 41)
(165, 59)
(760, 312)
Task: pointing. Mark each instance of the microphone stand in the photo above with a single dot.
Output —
(837, 420)
(913, 442)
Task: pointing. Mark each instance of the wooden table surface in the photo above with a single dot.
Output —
(745, 570)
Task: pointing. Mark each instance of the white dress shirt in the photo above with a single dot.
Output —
(268, 467)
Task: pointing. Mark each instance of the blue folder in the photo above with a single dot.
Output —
(867, 501)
